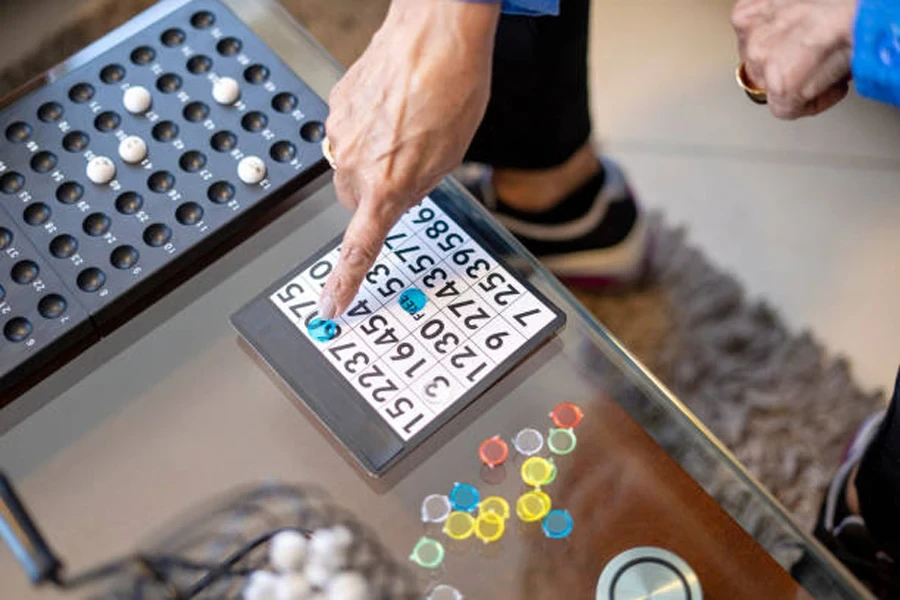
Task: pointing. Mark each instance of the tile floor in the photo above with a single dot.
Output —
(806, 214)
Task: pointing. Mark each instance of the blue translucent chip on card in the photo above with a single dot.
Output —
(413, 300)
(322, 330)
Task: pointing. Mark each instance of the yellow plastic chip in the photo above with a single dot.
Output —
(489, 527)
(459, 525)
(533, 506)
(537, 471)
(494, 504)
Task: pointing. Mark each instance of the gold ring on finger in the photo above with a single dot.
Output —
(754, 93)
(327, 152)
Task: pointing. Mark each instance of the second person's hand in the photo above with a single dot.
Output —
(797, 51)
(402, 118)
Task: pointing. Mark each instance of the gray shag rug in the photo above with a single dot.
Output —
(778, 400)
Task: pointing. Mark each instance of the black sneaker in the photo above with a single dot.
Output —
(845, 534)
(598, 237)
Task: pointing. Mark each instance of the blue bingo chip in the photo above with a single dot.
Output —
(322, 330)
(413, 300)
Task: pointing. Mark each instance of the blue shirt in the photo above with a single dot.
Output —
(876, 50)
(531, 7)
(526, 7)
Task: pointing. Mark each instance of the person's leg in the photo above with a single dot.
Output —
(875, 489)
(570, 207)
(538, 114)
(858, 520)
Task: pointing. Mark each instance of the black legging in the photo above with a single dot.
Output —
(878, 481)
(538, 115)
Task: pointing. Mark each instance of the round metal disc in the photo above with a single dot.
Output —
(648, 573)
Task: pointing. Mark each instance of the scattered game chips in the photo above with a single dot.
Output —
(557, 524)
(493, 451)
(489, 527)
(445, 592)
(533, 506)
(412, 300)
(561, 441)
(427, 553)
(537, 471)
(435, 508)
(464, 497)
(322, 330)
(566, 415)
(528, 442)
(496, 505)
(459, 525)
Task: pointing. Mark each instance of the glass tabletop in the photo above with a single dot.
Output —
(172, 410)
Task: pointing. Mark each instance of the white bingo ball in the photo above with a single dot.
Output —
(293, 586)
(101, 170)
(226, 90)
(133, 149)
(343, 537)
(251, 170)
(287, 551)
(137, 100)
(319, 574)
(261, 586)
(348, 586)
(326, 549)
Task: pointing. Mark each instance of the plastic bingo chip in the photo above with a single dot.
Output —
(412, 300)
(528, 441)
(459, 525)
(538, 471)
(489, 527)
(464, 497)
(557, 524)
(436, 508)
(533, 506)
(494, 504)
(493, 452)
(566, 415)
(561, 441)
(445, 592)
(322, 330)
(427, 553)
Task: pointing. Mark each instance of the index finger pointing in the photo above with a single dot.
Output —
(360, 248)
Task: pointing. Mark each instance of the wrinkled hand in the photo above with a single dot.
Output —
(798, 51)
(402, 118)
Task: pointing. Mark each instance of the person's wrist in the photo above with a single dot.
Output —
(471, 23)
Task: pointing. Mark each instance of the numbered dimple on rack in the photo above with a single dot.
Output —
(37, 312)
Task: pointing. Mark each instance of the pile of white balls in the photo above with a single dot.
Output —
(308, 569)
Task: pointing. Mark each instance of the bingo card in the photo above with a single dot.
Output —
(438, 320)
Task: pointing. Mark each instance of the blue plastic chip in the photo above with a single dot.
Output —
(322, 330)
(413, 300)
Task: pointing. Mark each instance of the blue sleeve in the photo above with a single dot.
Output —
(876, 50)
(526, 7)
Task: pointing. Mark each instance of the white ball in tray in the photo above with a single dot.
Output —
(251, 170)
(348, 586)
(329, 547)
(101, 170)
(137, 100)
(308, 569)
(133, 149)
(293, 586)
(319, 574)
(226, 91)
(262, 585)
(287, 551)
